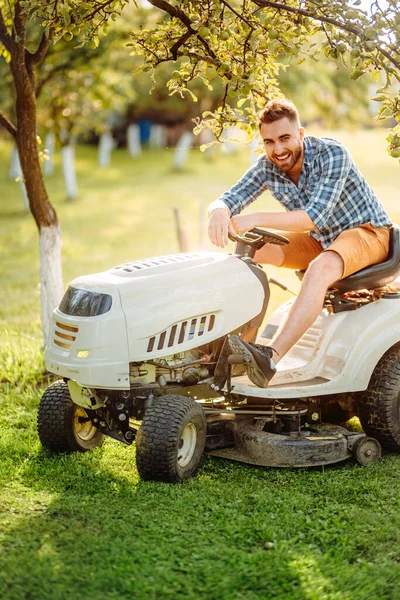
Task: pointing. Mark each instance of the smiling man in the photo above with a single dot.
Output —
(335, 224)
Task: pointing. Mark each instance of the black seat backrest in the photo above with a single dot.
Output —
(375, 276)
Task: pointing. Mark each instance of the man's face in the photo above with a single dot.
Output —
(283, 142)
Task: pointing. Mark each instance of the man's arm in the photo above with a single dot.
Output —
(335, 166)
(247, 189)
(295, 220)
(218, 225)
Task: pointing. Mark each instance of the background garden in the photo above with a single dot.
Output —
(83, 525)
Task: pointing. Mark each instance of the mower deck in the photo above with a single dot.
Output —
(246, 441)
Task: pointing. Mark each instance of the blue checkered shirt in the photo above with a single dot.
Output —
(330, 189)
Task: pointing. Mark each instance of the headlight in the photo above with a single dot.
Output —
(81, 303)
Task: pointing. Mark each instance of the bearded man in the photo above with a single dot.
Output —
(333, 220)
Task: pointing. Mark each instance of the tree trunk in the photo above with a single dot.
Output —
(15, 173)
(50, 143)
(106, 146)
(69, 171)
(182, 150)
(133, 140)
(14, 169)
(51, 284)
(41, 209)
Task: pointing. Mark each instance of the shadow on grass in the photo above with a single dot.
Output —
(232, 532)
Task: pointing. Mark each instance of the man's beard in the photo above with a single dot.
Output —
(289, 163)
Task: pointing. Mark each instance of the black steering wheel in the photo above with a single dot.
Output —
(257, 238)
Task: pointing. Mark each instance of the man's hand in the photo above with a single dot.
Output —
(218, 227)
(242, 223)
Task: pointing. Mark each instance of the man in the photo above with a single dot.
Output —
(335, 224)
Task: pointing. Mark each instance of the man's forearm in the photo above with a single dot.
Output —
(216, 205)
(296, 220)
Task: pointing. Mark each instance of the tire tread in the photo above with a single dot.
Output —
(379, 405)
(54, 421)
(156, 440)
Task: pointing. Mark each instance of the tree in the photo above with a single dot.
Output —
(247, 43)
(321, 92)
(27, 30)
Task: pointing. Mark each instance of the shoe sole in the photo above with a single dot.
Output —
(255, 374)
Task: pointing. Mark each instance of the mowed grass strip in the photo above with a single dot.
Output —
(83, 525)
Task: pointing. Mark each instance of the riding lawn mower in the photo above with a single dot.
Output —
(143, 355)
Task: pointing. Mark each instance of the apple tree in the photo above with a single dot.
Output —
(247, 43)
(27, 31)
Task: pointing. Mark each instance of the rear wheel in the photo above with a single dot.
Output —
(171, 440)
(379, 406)
(64, 426)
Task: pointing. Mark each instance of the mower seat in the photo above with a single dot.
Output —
(373, 276)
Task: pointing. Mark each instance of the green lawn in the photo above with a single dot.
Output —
(83, 526)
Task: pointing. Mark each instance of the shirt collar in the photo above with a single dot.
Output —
(308, 150)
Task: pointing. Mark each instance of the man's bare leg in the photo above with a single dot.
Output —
(321, 273)
(270, 254)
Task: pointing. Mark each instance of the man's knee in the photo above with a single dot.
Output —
(327, 268)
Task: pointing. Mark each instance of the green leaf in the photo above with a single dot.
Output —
(356, 74)
(375, 76)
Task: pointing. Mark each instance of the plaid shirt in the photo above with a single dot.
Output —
(330, 189)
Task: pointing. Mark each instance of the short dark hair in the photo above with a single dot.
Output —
(279, 109)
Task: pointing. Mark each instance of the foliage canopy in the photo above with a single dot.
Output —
(247, 43)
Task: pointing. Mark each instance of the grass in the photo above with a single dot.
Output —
(84, 526)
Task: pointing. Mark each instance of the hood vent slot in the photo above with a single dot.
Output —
(181, 332)
(61, 338)
(139, 265)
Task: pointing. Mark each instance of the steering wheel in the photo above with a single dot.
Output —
(257, 238)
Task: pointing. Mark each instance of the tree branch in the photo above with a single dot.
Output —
(57, 69)
(174, 11)
(8, 125)
(177, 13)
(241, 17)
(182, 40)
(98, 9)
(321, 18)
(19, 22)
(41, 50)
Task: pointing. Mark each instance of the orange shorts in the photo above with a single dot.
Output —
(358, 247)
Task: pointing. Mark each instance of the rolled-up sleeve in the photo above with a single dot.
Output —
(335, 166)
(245, 191)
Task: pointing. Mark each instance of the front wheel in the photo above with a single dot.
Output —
(64, 426)
(379, 406)
(171, 440)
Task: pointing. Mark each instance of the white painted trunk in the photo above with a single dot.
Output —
(133, 140)
(106, 145)
(49, 144)
(14, 169)
(182, 149)
(24, 192)
(68, 163)
(51, 282)
(158, 137)
(15, 174)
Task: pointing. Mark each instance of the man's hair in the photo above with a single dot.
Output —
(279, 109)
